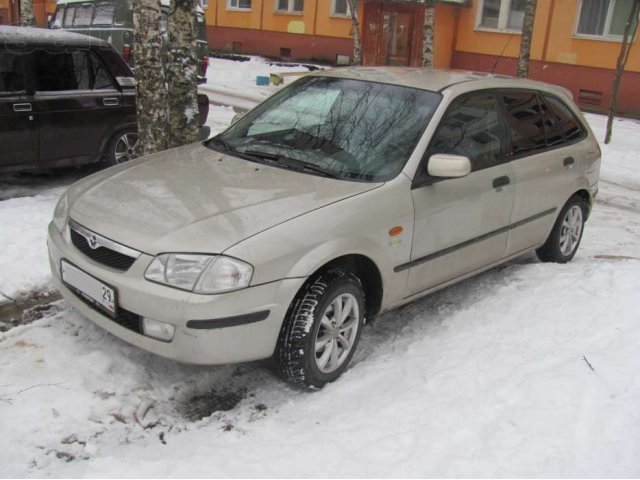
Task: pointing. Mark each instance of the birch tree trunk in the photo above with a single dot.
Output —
(27, 17)
(525, 41)
(151, 101)
(182, 73)
(428, 33)
(623, 56)
(355, 26)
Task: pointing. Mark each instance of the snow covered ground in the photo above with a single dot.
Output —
(528, 370)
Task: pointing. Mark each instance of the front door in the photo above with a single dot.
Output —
(461, 224)
(398, 31)
(18, 142)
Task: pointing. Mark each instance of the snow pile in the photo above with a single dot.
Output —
(527, 370)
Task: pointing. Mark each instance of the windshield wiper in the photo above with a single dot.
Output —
(221, 141)
(292, 163)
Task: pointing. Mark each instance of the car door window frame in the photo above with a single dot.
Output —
(540, 96)
(421, 178)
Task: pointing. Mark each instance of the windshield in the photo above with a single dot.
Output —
(350, 129)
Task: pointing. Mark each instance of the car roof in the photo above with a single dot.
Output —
(39, 36)
(435, 80)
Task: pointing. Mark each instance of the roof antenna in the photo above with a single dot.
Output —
(495, 64)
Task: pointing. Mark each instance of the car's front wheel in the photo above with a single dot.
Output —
(321, 330)
(564, 239)
(122, 147)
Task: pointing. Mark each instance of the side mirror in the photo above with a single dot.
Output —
(448, 166)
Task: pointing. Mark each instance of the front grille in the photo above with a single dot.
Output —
(101, 254)
(124, 318)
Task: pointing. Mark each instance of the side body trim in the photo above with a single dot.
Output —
(453, 248)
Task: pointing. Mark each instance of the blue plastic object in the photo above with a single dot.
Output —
(262, 81)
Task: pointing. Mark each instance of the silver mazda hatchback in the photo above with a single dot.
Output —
(348, 193)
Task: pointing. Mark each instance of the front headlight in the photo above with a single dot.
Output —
(60, 213)
(200, 273)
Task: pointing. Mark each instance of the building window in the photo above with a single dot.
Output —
(501, 14)
(204, 3)
(239, 4)
(340, 8)
(604, 18)
(290, 6)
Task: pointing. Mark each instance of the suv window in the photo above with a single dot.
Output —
(11, 72)
(104, 14)
(70, 70)
(565, 119)
(471, 127)
(524, 120)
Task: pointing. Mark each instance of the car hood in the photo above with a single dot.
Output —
(193, 199)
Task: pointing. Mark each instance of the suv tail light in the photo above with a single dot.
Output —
(205, 64)
(126, 53)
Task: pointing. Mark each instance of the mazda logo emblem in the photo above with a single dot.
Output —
(93, 242)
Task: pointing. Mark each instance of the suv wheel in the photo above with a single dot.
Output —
(122, 147)
(564, 239)
(321, 330)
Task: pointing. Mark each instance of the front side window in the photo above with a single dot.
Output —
(604, 18)
(351, 129)
(471, 128)
(82, 15)
(239, 4)
(524, 121)
(11, 72)
(501, 14)
(290, 5)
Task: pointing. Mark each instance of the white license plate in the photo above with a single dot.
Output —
(91, 288)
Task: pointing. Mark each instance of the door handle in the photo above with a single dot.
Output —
(501, 181)
(569, 162)
(21, 107)
(110, 102)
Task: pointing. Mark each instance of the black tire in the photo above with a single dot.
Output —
(554, 250)
(122, 147)
(295, 356)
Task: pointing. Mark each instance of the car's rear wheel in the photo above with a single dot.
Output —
(321, 330)
(122, 147)
(564, 239)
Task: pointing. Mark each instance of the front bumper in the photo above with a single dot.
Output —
(224, 328)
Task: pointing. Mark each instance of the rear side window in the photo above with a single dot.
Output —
(524, 121)
(565, 118)
(104, 14)
(11, 72)
(471, 127)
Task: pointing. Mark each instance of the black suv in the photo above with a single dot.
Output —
(65, 99)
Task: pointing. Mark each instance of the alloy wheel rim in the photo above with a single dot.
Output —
(338, 329)
(571, 230)
(125, 149)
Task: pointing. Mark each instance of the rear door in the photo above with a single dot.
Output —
(461, 224)
(18, 132)
(542, 158)
(77, 104)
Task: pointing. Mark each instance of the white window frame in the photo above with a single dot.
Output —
(337, 14)
(289, 10)
(503, 18)
(204, 3)
(237, 8)
(607, 25)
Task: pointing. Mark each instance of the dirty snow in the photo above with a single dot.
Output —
(527, 370)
